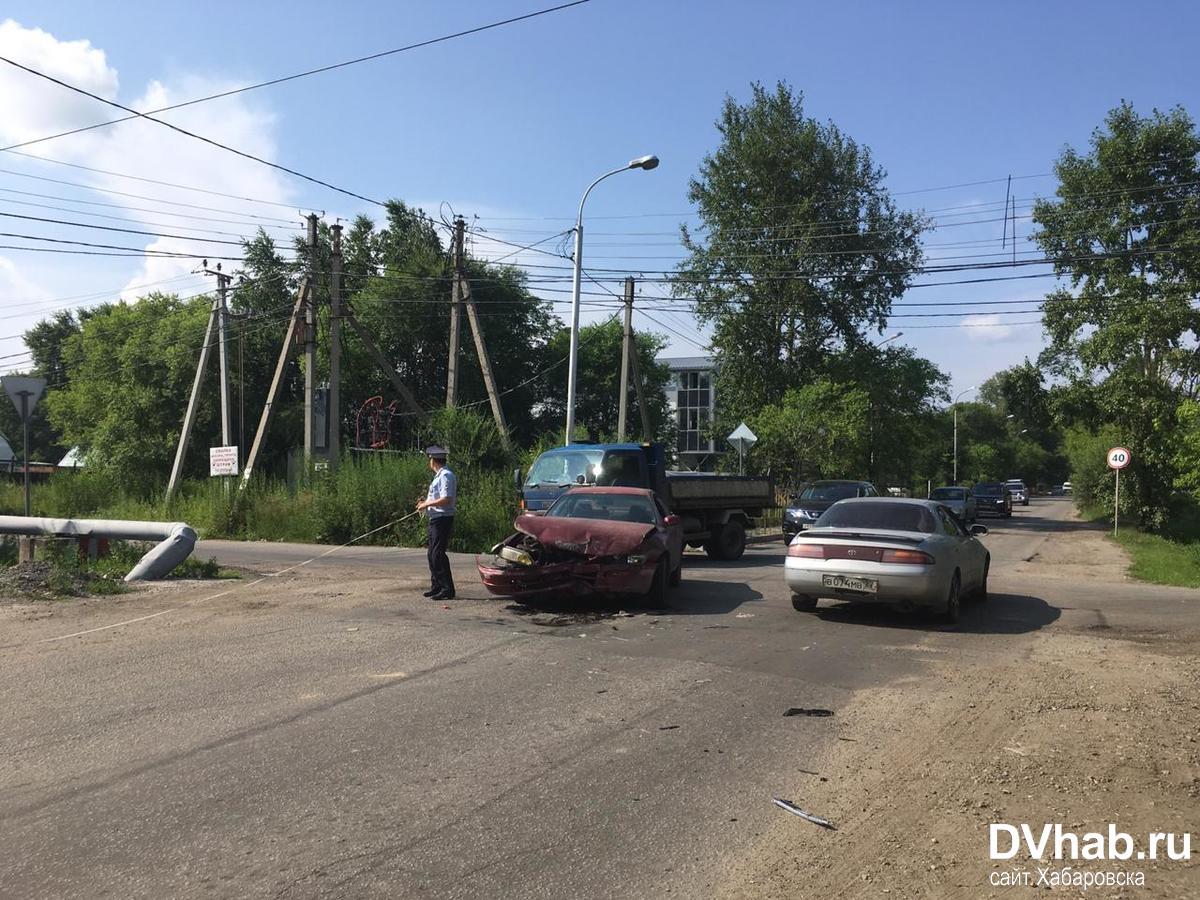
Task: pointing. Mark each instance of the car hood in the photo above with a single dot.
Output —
(589, 537)
(814, 505)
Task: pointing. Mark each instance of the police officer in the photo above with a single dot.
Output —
(439, 507)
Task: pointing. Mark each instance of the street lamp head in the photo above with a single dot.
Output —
(644, 162)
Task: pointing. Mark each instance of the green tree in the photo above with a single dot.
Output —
(131, 367)
(1126, 231)
(800, 249)
(599, 391)
(815, 431)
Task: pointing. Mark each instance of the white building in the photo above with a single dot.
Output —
(691, 396)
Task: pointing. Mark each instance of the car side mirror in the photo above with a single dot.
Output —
(517, 480)
(672, 520)
(979, 530)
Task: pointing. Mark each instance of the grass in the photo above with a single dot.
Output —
(332, 508)
(1171, 558)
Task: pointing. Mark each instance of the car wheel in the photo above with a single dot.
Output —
(982, 593)
(953, 605)
(804, 602)
(677, 575)
(656, 597)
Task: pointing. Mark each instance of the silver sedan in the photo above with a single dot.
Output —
(905, 553)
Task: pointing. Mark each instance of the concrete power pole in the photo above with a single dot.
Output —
(223, 354)
(626, 347)
(310, 343)
(335, 351)
(456, 254)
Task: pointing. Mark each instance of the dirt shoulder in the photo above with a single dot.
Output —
(1090, 727)
(1078, 551)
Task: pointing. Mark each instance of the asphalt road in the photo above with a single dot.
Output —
(328, 732)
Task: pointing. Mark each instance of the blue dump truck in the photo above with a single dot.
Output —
(716, 510)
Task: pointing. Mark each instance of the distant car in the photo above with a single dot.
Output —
(906, 553)
(959, 500)
(815, 497)
(1066, 487)
(593, 540)
(1020, 493)
(993, 498)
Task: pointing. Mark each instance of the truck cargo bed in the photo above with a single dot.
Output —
(693, 490)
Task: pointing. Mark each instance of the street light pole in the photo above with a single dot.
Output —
(642, 162)
(955, 406)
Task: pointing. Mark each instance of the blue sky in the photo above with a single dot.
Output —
(512, 124)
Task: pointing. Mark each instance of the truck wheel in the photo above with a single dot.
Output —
(728, 541)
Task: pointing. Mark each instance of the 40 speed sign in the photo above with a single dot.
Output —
(1118, 457)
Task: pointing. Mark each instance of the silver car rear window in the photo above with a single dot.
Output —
(884, 515)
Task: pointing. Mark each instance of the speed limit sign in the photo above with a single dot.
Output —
(1118, 458)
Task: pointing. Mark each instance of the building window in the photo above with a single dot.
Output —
(693, 410)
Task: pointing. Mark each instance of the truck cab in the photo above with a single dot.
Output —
(615, 465)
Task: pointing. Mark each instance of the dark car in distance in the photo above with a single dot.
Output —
(993, 498)
(817, 496)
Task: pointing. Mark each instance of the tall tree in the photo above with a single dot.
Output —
(800, 249)
(1126, 231)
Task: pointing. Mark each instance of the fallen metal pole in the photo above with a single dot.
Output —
(176, 540)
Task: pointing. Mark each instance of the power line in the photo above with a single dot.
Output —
(191, 134)
(305, 74)
(181, 237)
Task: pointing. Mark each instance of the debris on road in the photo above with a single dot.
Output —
(797, 811)
(667, 727)
(801, 711)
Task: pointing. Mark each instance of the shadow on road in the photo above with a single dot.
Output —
(1001, 614)
(694, 598)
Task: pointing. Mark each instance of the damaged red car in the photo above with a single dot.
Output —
(593, 540)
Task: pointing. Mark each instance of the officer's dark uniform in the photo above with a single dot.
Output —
(441, 521)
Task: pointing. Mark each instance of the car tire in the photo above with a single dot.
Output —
(727, 542)
(677, 575)
(656, 597)
(804, 602)
(982, 593)
(953, 603)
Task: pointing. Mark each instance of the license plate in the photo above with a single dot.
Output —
(851, 583)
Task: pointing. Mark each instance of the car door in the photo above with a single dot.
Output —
(956, 537)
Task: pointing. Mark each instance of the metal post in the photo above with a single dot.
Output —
(641, 397)
(954, 480)
(335, 351)
(626, 346)
(310, 343)
(1116, 504)
(25, 420)
(223, 355)
(456, 252)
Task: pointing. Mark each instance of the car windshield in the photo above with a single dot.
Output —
(614, 507)
(948, 494)
(1016, 484)
(565, 467)
(881, 514)
(829, 492)
(989, 489)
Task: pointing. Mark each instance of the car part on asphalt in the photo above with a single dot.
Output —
(797, 811)
(800, 711)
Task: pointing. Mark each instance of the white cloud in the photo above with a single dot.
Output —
(986, 328)
(31, 108)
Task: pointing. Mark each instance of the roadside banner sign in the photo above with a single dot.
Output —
(1118, 458)
(25, 391)
(742, 440)
(222, 461)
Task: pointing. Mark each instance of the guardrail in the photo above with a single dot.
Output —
(176, 540)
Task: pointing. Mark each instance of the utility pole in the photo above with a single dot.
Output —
(634, 365)
(310, 342)
(626, 348)
(335, 351)
(456, 254)
(189, 417)
(481, 351)
(223, 354)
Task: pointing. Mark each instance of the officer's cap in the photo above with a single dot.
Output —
(435, 452)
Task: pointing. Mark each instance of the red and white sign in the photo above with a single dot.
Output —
(1119, 458)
